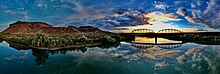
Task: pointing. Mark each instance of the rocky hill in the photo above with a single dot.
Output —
(33, 27)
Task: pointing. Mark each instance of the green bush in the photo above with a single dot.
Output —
(62, 40)
(41, 40)
(1, 35)
(82, 38)
(107, 39)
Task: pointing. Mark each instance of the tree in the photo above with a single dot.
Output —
(107, 39)
(41, 40)
(83, 38)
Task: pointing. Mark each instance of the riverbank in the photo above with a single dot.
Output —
(62, 41)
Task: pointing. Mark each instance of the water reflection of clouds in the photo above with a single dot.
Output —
(98, 53)
(91, 52)
(200, 57)
(5, 48)
(189, 52)
(127, 51)
(4, 44)
(196, 57)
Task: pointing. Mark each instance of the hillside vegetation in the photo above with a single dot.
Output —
(56, 41)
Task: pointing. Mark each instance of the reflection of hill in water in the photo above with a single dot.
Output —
(131, 50)
(1, 41)
(41, 56)
(189, 58)
(18, 46)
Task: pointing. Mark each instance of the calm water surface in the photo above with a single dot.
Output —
(124, 58)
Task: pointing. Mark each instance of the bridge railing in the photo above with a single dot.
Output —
(160, 31)
(142, 31)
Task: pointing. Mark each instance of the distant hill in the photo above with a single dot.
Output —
(33, 27)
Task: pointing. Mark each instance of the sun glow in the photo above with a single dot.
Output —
(144, 40)
(160, 21)
(158, 18)
(153, 40)
(156, 21)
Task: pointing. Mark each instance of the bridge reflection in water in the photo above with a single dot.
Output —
(155, 40)
(147, 42)
(147, 38)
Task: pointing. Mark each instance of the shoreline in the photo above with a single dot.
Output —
(74, 46)
(60, 48)
(56, 48)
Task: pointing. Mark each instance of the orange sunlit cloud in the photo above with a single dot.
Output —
(159, 17)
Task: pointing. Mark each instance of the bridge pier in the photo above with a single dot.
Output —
(155, 39)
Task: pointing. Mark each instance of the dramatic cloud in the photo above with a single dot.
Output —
(160, 5)
(181, 11)
(193, 18)
(116, 18)
(211, 15)
(110, 14)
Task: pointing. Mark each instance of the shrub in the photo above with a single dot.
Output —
(82, 38)
(1, 35)
(41, 40)
(107, 39)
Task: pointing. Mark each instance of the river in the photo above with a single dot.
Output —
(123, 58)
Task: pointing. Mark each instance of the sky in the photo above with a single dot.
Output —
(116, 15)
